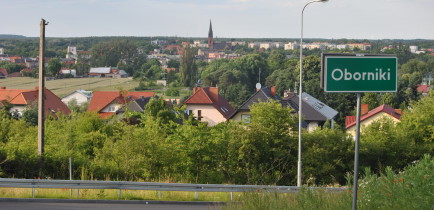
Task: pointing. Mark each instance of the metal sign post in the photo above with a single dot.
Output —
(356, 152)
(358, 73)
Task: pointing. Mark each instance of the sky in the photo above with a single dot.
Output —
(335, 19)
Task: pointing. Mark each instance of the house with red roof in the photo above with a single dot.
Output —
(368, 117)
(3, 73)
(207, 105)
(424, 89)
(106, 103)
(23, 99)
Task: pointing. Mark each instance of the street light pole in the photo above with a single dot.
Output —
(299, 180)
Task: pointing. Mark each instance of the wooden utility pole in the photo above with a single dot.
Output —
(41, 114)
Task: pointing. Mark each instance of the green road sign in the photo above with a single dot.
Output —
(359, 73)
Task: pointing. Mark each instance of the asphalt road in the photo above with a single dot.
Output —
(52, 204)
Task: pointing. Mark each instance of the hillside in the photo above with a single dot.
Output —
(11, 36)
(63, 87)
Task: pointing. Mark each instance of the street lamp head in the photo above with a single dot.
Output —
(323, 1)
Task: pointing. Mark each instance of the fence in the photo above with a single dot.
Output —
(124, 185)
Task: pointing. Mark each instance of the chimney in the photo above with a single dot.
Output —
(214, 92)
(399, 111)
(273, 90)
(195, 89)
(365, 109)
(2, 88)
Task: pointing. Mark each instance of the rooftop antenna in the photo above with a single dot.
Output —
(259, 75)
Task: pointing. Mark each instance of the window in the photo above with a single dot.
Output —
(199, 115)
(245, 118)
(111, 109)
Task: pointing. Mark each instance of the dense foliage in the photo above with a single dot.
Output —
(408, 189)
(159, 148)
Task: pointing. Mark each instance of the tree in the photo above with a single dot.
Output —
(371, 99)
(264, 145)
(11, 67)
(276, 60)
(188, 68)
(54, 66)
(30, 115)
(250, 65)
(173, 64)
(110, 53)
(327, 156)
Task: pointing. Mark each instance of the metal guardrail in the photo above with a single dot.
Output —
(125, 185)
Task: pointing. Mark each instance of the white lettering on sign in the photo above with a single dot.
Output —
(338, 74)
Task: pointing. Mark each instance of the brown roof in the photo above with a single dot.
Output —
(210, 96)
(101, 99)
(423, 88)
(4, 72)
(53, 104)
(350, 121)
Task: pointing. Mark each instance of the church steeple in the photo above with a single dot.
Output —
(210, 30)
(210, 37)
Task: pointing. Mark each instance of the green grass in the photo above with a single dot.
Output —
(63, 87)
(412, 188)
(102, 194)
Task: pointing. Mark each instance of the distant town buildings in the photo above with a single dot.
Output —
(112, 72)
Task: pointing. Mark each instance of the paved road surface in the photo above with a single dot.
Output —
(51, 204)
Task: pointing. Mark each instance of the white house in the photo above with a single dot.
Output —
(207, 105)
(81, 96)
(72, 72)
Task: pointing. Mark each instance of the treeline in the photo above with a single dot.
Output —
(163, 147)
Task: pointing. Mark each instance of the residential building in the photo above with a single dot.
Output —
(424, 89)
(314, 112)
(341, 46)
(414, 49)
(266, 45)
(262, 95)
(368, 117)
(207, 105)
(106, 103)
(360, 46)
(113, 72)
(21, 100)
(65, 71)
(2, 51)
(80, 96)
(3, 73)
(291, 46)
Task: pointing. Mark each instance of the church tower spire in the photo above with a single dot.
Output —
(210, 37)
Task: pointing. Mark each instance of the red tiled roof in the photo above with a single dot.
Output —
(28, 97)
(15, 74)
(422, 88)
(350, 121)
(210, 96)
(101, 99)
(105, 115)
(4, 72)
(26, 70)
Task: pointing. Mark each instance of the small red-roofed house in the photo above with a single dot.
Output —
(207, 105)
(3, 73)
(23, 99)
(424, 89)
(368, 117)
(25, 72)
(106, 103)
